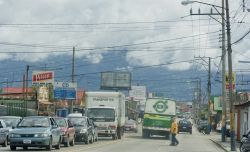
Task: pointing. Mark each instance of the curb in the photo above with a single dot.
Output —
(219, 145)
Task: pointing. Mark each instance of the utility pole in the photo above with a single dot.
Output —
(229, 49)
(223, 61)
(209, 94)
(24, 91)
(243, 5)
(27, 86)
(208, 91)
(230, 75)
(211, 14)
(199, 96)
(73, 76)
(27, 82)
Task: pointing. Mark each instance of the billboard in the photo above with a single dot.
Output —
(138, 92)
(217, 104)
(65, 90)
(43, 95)
(116, 80)
(42, 77)
(233, 81)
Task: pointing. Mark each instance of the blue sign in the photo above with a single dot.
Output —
(62, 93)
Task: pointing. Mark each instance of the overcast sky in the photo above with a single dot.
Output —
(151, 31)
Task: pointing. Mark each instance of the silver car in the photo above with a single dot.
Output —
(3, 134)
(10, 122)
(36, 131)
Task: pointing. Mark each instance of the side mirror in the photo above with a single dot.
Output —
(13, 127)
(244, 136)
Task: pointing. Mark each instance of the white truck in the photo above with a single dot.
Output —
(107, 110)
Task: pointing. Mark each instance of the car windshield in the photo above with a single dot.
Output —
(184, 122)
(34, 122)
(130, 122)
(101, 114)
(61, 122)
(10, 122)
(77, 121)
(203, 122)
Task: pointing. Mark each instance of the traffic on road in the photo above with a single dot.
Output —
(102, 125)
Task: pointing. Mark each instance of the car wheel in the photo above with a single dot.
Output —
(12, 148)
(96, 138)
(49, 147)
(58, 146)
(92, 139)
(114, 136)
(167, 136)
(25, 148)
(242, 148)
(5, 143)
(87, 141)
(66, 144)
(72, 143)
(119, 133)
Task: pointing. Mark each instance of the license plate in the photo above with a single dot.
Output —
(184, 127)
(27, 141)
(127, 129)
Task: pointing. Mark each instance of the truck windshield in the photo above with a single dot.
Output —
(101, 114)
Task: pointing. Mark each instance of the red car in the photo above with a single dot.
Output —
(67, 131)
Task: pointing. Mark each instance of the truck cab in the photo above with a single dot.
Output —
(105, 118)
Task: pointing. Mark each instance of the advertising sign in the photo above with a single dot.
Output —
(227, 90)
(42, 77)
(65, 90)
(233, 81)
(217, 104)
(63, 94)
(43, 95)
(116, 80)
(138, 92)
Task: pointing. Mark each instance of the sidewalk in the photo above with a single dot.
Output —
(216, 138)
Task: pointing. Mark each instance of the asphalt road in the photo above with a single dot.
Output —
(133, 142)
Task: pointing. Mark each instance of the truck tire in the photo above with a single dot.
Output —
(123, 130)
(114, 136)
(145, 133)
(167, 136)
(119, 133)
(148, 134)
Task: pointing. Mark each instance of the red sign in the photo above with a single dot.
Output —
(42, 76)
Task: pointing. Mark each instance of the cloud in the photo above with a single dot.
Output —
(87, 35)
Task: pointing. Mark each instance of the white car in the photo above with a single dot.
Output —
(3, 134)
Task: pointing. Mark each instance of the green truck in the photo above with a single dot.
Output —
(158, 116)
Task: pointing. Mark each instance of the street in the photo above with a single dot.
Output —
(133, 142)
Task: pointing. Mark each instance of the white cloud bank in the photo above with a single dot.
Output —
(64, 37)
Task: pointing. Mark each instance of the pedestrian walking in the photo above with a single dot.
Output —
(174, 131)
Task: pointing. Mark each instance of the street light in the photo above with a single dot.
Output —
(187, 2)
